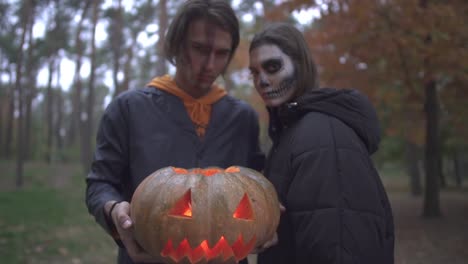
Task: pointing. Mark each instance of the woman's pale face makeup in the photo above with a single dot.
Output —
(273, 74)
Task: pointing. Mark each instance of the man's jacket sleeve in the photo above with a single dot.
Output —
(110, 166)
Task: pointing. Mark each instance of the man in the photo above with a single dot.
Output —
(183, 121)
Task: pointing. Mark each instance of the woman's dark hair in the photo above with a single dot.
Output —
(218, 12)
(291, 41)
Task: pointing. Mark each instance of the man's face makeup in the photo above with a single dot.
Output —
(273, 74)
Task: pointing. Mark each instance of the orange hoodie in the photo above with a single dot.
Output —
(199, 109)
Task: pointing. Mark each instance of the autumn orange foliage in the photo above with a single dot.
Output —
(390, 49)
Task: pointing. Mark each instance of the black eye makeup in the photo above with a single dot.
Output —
(253, 72)
(272, 66)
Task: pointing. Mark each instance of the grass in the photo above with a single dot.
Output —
(46, 221)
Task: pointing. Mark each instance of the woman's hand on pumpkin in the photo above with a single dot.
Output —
(124, 225)
(282, 208)
(273, 241)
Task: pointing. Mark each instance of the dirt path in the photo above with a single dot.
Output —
(429, 241)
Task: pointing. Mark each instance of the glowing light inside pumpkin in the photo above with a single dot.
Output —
(206, 172)
(210, 172)
(183, 207)
(232, 169)
(238, 250)
(179, 170)
(188, 211)
(244, 209)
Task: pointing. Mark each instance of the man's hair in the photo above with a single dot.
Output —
(218, 12)
(291, 41)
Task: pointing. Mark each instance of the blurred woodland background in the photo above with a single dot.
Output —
(62, 62)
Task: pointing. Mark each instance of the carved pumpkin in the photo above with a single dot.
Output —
(204, 215)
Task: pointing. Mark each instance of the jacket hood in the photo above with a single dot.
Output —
(350, 106)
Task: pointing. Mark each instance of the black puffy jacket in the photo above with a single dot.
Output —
(337, 210)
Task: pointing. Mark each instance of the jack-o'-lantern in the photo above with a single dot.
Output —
(204, 215)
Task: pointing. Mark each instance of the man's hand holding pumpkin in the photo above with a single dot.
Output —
(119, 214)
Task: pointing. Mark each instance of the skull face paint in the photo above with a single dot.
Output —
(273, 74)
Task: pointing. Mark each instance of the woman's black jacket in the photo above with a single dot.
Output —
(337, 210)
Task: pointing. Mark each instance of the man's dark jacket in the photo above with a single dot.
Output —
(337, 210)
(147, 129)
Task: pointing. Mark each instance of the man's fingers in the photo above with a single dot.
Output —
(124, 226)
(138, 254)
(125, 222)
(135, 252)
(123, 218)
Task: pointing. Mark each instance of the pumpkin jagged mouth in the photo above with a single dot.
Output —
(238, 250)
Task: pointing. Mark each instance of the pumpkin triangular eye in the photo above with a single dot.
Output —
(183, 207)
(244, 209)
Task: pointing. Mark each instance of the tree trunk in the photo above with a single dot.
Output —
(19, 74)
(128, 68)
(30, 90)
(412, 167)
(411, 151)
(431, 198)
(75, 123)
(161, 67)
(457, 168)
(3, 110)
(116, 44)
(49, 113)
(128, 63)
(10, 116)
(59, 109)
(87, 142)
(28, 122)
(432, 152)
(2, 122)
(440, 166)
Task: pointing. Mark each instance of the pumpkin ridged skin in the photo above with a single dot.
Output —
(214, 200)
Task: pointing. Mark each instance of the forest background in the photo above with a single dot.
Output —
(62, 62)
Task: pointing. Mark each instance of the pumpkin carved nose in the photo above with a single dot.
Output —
(244, 209)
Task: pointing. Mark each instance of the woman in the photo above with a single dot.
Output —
(337, 210)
